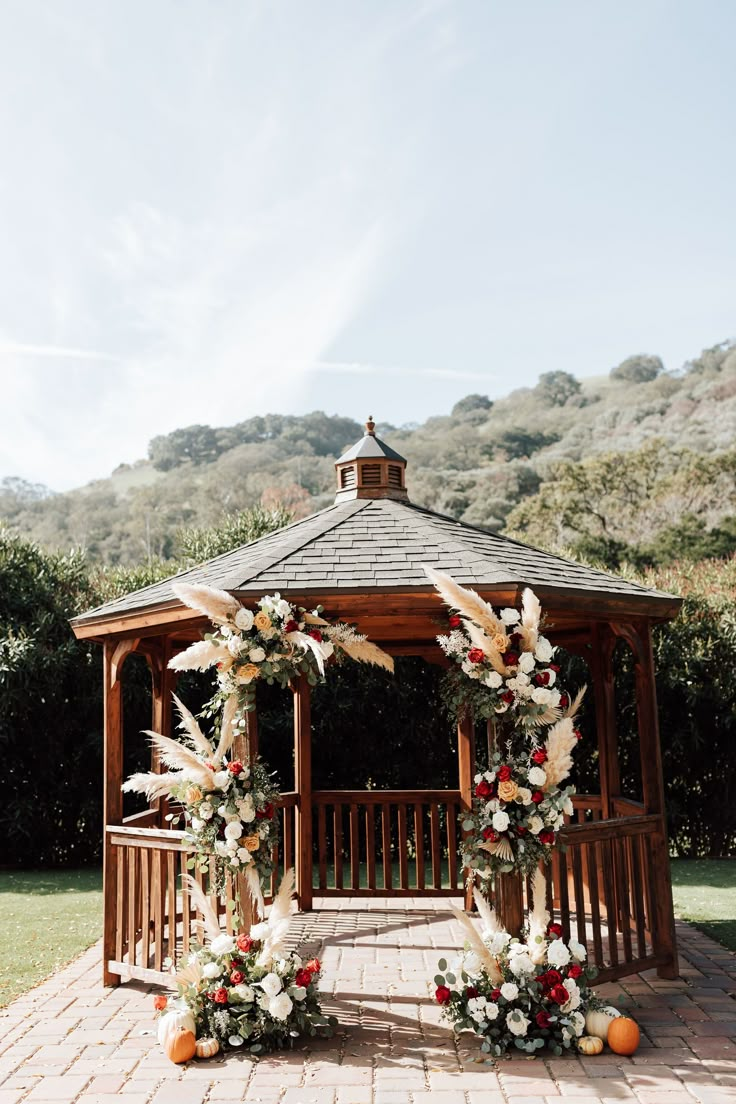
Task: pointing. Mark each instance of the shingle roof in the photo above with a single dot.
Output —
(379, 544)
(370, 446)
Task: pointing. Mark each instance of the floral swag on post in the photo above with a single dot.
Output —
(504, 671)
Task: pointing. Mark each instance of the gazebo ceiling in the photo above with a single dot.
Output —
(362, 559)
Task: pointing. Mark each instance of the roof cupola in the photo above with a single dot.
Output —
(371, 469)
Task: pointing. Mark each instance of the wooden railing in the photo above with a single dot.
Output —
(392, 842)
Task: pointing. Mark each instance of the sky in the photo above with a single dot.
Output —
(211, 209)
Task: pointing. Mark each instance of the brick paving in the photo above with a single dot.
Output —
(71, 1040)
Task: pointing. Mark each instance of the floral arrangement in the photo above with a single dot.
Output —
(525, 993)
(247, 989)
(228, 806)
(275, 643)
(519, 803)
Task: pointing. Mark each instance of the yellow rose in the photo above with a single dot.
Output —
(192, 795)
(501, 642)
(252, 842)
(262, 621)
(247, 673)
(508, 790)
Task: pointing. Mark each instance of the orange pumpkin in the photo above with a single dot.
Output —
(623, 1035)
(181, 1045)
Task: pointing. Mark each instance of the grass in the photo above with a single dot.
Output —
(704, 891)
(47, 918)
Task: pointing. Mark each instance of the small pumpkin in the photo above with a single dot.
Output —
(207, 1048)
(590, 1044)
(598, 1022)
(623, 1035)
(173, 1019)
(180, 1045)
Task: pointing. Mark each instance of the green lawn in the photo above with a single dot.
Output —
(47, 917)
(705, 892)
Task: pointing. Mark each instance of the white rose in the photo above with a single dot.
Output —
(243, 992)
(243, 854)
(567, 807)
(524, 796)
(500, 821)
(234, 644)
(544, 650)
(509, 991)
(574, 1000)
(496, 941)
(246, 808)
(283, 609)
(521, 964)
(537, 777)
(206, 811)
(234, 860)
(526, 662)
(233, 830)
(263, 1001)
(517, 1022)
(222, 779)
(491, 1011)
(271, 984)
(541, 696)
(536, 824)
(221, 848)
(578, 1022)
(478, 778)
(211, 970)
(557, 953)
(222, 945)
(244, 619)
(256, 655)
(477, 1008)
(197, 824)
(280, 1006)
(259, 931)
(493, 680)
(299, 993)
(577, 950)
(510, 616)
(554, 697)
(471, 964)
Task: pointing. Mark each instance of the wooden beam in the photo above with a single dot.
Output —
(466, 771)
(603, 645)
(303, 786)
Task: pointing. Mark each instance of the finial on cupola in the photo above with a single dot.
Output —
(371, 469)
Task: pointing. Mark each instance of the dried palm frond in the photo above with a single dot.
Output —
(194, 734)
(278, 922)
(218, 605)
(465, 601)
(531, 612)
(560, 743)
(491, 923)
(308, 644)
(480, 640)
(500, 848)
(202, 903)
(473, 937)
(227, 729)
(538, 915)
(200, 656)
(314, 619)
(366, 652)
(189, 974)
(152, 784)
(180, 758)
(253, 883)
(548, 716)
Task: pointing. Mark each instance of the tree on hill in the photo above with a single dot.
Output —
(557, 387)
(638, 369)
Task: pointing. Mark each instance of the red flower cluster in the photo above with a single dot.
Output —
(316, 635)
(219, 996)
(303, 978)
(291, 626)
(442, 994)
(547, 837)
(504, 773)
(266, 813)
(554, 929)
(485, 789)
(245, 943)
(454, 621)
(476, 655)
(235, 767)
(237, 977)
(539, 756)
(160, 1002)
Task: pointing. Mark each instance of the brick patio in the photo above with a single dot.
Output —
(71, 1040)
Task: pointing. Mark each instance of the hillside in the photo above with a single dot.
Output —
(479, 463)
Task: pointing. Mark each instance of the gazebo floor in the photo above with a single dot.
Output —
(72, 1040)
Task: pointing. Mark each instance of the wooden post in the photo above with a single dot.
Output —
(163, 682)
(466, 770)
(114, 655)
(653, 793)
(510, 893)
(603, 644)
(243, 745)
(303, 787)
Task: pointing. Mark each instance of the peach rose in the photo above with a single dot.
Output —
(192, 795)
(262, 620)
(500, 642)
(248, 672)
(252, 842)
(507, 790)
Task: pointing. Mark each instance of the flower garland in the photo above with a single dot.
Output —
(247, 989)
(504, 670)
(525, 993)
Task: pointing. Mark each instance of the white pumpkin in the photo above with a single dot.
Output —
(172, 1020)
(598, 1023)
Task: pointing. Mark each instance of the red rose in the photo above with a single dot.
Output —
(244, 943)
(236, 977)
(483, 789)
(554, 929)
(454, 621)
(574, 971)
(291, 626)
(537, 797)
(489, 835)
(511, 658)
(546, 837)
(539, 756)
(316, 635)
(542, 980)
(471, 992)
(508, 697)
(220, 996)
(495, 994)
(504, 773)
(235, 767)
(476, 655)
(577, 734)
(559, 994)
(515, 640)
(542, 678)
(442, 994)
(160, 1002)
(303, 977)
(555, 667)
(313, 966)
(265, 813)
(564, 701)
(542, 1018)
(521, 830)
(554, 977)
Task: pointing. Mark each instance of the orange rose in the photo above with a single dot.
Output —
(508, 790)
(500, 642)
(262, 621)
(252, 842)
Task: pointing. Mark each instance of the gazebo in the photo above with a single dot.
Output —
(361, 558)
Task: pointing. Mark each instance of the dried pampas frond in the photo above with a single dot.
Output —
(473, 937)
(501, 848)
(152, 784)
(180, 758)
(202, 903)
(227, 729)
(575, 703)
(189, 725)
(531, 613)
(480, 640)
(466, 601)
(367, 652)
(218, 605)
(491, 923)
(201, 656)
(560, 744)
(538, 915)
(279, 921)
(253, 883)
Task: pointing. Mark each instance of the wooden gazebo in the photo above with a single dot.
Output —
(362, 558)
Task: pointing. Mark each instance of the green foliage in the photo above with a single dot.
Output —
(195, 545)
(638, 369)
(558, 387)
